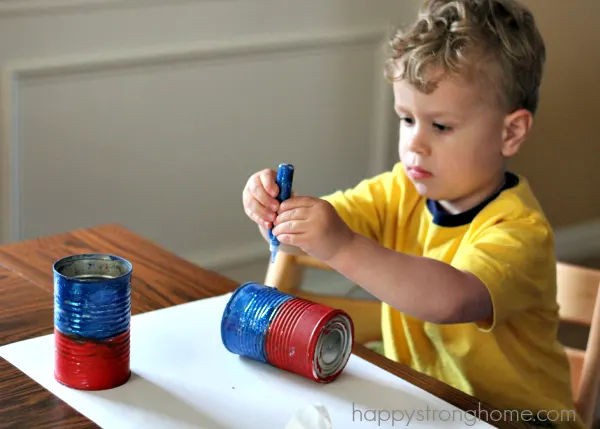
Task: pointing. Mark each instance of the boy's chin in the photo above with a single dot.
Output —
(430, 192)
(424, 190)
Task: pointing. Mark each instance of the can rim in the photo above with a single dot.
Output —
(335, 313)
(98, 256)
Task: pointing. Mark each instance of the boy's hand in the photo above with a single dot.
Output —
(313, 225)
(259, 196)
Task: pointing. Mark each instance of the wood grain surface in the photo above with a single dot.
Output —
(160, 279)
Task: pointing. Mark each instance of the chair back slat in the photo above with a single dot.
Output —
(576, 293)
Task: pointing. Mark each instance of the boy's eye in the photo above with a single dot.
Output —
(408, 121)
(441, 127)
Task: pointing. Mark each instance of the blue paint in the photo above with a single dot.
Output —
(247, 317)
(285, 178)
(92, 296)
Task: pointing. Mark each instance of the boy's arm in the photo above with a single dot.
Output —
(421, 287)
(501, 272)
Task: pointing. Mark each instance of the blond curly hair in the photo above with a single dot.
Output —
(497, 40)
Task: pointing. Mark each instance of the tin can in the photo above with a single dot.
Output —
(92, 320)
(287, 332)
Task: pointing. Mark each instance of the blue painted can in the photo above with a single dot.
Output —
(92, 296)
(247, 317)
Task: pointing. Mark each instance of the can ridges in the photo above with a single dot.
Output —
(280, 331)
(93, 310)
(122, 341)
(92, 365)
(241, 334)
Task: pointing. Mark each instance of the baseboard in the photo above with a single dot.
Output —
(579, 241)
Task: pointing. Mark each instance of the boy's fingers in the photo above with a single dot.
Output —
(262, 212)
(256, 211)
(288, 239)
(300, 213)
(290, 227)
(267, 178)
(260, 194)
(258, 219)
(297, 202)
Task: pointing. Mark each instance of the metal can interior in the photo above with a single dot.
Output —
(334, 347)
(92, 267)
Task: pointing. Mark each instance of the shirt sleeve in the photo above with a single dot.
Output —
(515, 261)
(363, 208)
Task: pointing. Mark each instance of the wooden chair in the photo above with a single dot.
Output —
(577, 295)
(286, 274)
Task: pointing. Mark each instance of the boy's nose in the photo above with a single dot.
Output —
(418, 143)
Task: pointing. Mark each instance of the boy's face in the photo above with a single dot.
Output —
(453, 141)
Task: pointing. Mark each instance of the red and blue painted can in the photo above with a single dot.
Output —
(291, 333)
(92, 321)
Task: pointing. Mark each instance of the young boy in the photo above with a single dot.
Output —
(455, 246)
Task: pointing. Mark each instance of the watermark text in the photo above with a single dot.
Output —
(399, 417)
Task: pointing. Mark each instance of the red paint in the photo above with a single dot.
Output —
(89, 364)
(293, 335)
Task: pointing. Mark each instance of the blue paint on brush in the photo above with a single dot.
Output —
(92, 296)
(285, 178)
(246, 319)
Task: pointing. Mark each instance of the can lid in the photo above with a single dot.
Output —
(334, 346)
(331, 347)
(327, 335)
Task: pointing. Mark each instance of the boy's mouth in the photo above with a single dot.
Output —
(416, 172)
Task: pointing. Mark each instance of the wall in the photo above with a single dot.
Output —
(561, 159)
(153, 115)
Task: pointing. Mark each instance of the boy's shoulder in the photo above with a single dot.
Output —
(510, 235)
(514, 207)
(509, 247)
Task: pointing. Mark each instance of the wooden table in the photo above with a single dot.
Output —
(160, 279)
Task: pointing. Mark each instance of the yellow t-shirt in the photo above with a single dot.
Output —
(513, 362)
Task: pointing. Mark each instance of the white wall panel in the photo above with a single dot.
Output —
(153, 114)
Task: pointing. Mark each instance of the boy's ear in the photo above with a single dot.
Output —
(516, 129)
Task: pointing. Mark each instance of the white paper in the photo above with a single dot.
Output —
(183, 377)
